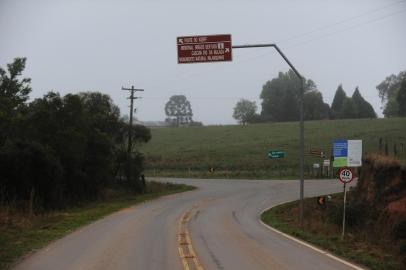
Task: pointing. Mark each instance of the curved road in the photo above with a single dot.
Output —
(213, 227)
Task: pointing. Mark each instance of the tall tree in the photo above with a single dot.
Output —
(338, 101)
(363, 108)
(314, 106)
(390, 86)
(244, 111)
(391, 108)
(280, 97)
(13, 90)
(178, 110)
(14, 93)
(349, 109)
(388, 90)
(401, 98)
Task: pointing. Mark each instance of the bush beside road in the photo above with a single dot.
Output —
(322, 229)
(375, 220)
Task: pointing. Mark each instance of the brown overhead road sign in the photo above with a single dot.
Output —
(202, 49)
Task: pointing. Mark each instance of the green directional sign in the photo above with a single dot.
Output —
(276, 154)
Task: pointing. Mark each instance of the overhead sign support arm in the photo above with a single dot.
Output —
(301, 98)
(218, 48)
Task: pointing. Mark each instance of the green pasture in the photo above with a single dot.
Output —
(241, 151)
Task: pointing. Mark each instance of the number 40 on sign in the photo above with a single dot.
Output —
(345, 175)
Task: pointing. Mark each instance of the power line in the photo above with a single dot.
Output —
(341, 22)
(188, 75)
(330, 34)
(349, 28)
(198, 98)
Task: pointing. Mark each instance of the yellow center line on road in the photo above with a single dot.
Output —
(185, 246)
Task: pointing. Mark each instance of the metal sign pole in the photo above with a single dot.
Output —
(345, 198)
(345, 175)
(301, 121)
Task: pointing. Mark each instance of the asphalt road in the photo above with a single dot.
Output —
(214, 227)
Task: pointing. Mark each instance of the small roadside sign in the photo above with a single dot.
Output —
(347, 153)
(276, 154)
(354, 153)
(340, 152)
(321, 200)
(345, 175)
(326, 163)
(203, 49)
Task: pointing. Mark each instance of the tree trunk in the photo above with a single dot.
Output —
(31, 202)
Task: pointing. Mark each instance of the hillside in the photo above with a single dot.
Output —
(241, 151)
(375, 233)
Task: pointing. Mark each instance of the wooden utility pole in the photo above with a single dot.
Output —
(129, 149)
(131, 98)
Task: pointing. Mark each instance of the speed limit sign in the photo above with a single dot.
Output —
(345, 175)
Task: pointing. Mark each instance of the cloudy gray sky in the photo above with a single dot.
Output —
(78, 45)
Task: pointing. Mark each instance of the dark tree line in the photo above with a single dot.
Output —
(280, 102)
(356, 106)
(59, 149)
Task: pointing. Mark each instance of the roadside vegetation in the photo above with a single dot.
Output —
(58, 150)
(21, 234)
(64, 162)
(375, 220)
(241, 151)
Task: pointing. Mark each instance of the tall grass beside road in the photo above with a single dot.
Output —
(322, 227)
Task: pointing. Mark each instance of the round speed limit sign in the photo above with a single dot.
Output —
(345, 175)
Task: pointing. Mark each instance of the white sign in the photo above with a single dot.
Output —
(326, 163)
(354, 153)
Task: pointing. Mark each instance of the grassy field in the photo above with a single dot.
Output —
(241, 151)
(322, 227)
(20, 234)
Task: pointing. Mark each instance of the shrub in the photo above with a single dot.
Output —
(400, 230)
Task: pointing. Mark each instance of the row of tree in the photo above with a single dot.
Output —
(344, 107)
(280, 102)
(61, 149)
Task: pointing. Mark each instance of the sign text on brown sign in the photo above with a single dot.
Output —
(202, 49)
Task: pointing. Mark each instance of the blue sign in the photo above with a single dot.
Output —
(340, 153)
(340, 148)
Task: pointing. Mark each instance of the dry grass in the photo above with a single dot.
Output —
(9, 216)
(322, 227)
(381, 161)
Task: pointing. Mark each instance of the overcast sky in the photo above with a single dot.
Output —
(79, 45)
